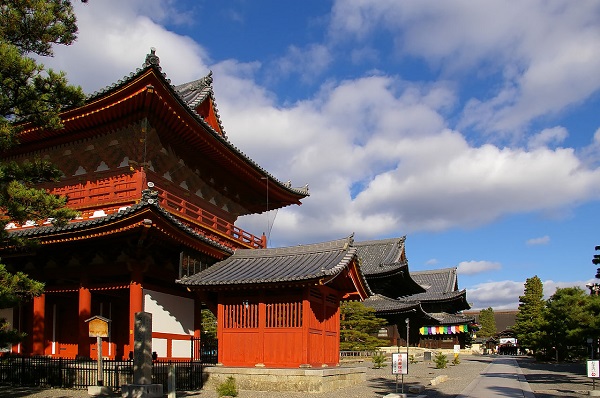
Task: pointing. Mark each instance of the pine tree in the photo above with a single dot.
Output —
(487, 320)
(30, 96)
(568, 320)
(529, 320)
(359, 326)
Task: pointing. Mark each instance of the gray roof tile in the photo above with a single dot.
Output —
(278, 265)
(377, 256)
(445, 318)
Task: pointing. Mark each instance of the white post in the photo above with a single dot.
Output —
(100, 370)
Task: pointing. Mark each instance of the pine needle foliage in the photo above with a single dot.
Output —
(31, 97)
(359, 327)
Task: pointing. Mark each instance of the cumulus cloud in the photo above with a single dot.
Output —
(503, 295)
(306, 62)
(498, 295)
(547, 137)
(545, 53)
(112, 44)
(476, 267)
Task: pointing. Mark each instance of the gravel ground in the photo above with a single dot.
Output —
(546, 380)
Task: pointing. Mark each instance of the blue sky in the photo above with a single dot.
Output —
(473, 128)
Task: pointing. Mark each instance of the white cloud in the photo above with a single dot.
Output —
(308, 62)
(504, 295)
(376, 151)
(543, 240)
(545, 52)
(547, 137)
(498, 295)
(114, 38)
(477, 267)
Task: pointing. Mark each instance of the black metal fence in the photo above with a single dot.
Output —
(48, 372)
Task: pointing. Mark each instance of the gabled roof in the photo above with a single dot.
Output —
(388, 306)
(135, 216)
(439, 284)
(320, 262)
(200, 97)
(385, 266)
(148, 93)
(380, 256)
(444, 318)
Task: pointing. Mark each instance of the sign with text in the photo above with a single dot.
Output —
(592, 368)
(399, 364)
(98, 326)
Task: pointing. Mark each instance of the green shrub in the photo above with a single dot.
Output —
(412, 359)
(441, 360)
(378, 360)
(456, 360)
(227, 388)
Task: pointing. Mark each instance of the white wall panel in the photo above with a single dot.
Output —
(170, 314)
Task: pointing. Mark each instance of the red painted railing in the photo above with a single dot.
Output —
(199, 216)
(105, 196)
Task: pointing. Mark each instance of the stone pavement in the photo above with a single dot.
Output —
(502, 378)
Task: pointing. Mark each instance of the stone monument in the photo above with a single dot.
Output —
(142, 386)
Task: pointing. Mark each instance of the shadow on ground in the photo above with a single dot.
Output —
(551, 379)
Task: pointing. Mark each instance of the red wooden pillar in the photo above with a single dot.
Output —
(306, 310)
(220, 326)
(136, 301)
(39, 321)
(262, 323)
(85, 312)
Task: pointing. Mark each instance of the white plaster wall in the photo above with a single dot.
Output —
(160, 347)
(170, 314)
(182, 348)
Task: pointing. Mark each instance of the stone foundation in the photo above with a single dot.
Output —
(142, 391)
(302, 380)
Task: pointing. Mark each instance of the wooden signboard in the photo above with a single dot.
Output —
(98, 326)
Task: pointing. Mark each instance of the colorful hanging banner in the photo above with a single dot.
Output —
(453, 329)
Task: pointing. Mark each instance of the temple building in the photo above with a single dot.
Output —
(159, 188)
(429, 300)
(280, 307)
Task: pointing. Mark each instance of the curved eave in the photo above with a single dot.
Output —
(148, 94)
(359, 288)
(406, 282)
(392, 307)
(147, 217)
(458, 300)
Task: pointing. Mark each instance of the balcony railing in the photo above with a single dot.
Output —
(109, 195)
(197, 216)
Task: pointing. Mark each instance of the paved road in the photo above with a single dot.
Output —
(476, 376)
(502, 378)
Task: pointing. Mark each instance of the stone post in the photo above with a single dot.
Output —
(142, 386)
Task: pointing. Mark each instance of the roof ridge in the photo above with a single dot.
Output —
(338, 244)
(380, 241)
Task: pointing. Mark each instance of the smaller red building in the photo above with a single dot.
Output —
(280, 308)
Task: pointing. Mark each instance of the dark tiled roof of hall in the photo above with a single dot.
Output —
(275, 265)
(379, 256)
